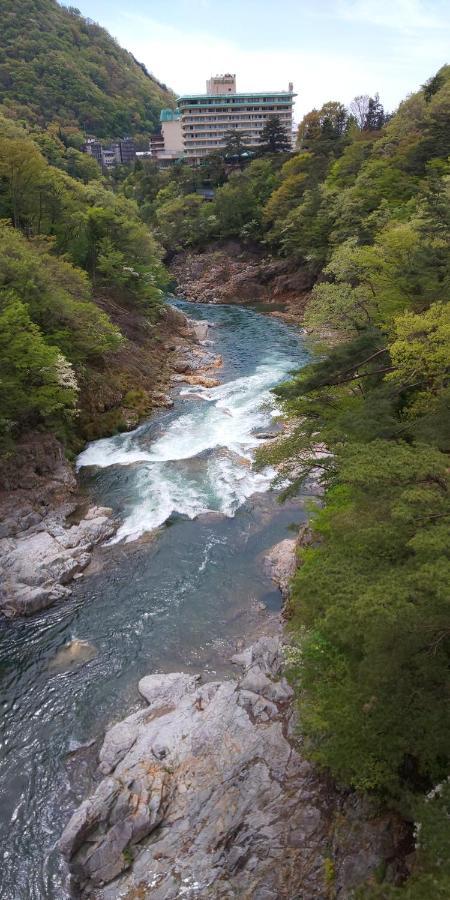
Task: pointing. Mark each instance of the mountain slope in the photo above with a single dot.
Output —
(57, 67)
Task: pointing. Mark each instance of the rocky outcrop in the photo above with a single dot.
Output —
(40, 550)
(205, 794)
(38, 564)
(194, 363)
(229, 273)
(282, 560)
(279, 564)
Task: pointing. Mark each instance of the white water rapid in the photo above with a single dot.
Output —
(204, 459)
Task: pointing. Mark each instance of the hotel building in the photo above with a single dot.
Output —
(206, 118)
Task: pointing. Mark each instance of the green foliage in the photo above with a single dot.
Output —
(57, 297)
(65, 237)
(57, 67)
(37, 383)
(370, 419)
(181, 220)
(274, 137)
(86, 222)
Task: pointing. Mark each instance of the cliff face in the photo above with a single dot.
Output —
(229, 273)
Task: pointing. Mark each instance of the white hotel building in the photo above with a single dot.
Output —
(206, 118)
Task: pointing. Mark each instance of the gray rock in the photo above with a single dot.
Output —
(38, 564)
(280, 562)
(206, 797)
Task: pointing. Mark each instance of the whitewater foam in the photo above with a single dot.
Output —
(203, 461)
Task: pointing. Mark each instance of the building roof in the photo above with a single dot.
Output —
(241, 94)
(169, 115)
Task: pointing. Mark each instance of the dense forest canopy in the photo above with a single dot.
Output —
(66, 240)
(58, 68)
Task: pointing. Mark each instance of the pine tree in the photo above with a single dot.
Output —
(274, 137)
(375, 116)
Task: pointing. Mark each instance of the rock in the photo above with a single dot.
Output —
(38, 564)
(204, 790)
(234, 274)
(267, 435)
(74, 653)
(159, 398)
(199, 330)
(202, 380)
(130, 417)
(280, 562)
(181, 366)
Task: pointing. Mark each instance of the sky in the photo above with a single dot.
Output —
(330, 49)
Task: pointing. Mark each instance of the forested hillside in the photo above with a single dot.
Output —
(362, 207)
(57, 68)
(63, 245)
(370, 608)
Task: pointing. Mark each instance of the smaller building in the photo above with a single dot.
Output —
(167, 144)
(109, 158)
(94, 148)
(127, 149)
(121, 152)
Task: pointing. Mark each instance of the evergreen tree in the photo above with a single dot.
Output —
(375, 116)
(236, 146)
(274, 137)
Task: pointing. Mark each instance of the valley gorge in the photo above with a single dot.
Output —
(224, 457)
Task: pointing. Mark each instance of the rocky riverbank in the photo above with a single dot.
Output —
(48, 532)
(204, 793)
(230, 273)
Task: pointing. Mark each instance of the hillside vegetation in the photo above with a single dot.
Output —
(364, 209)
(78, 270)
(57, 68)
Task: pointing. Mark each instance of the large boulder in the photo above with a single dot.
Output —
(39, 563)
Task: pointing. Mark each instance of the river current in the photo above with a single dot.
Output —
(175, 598)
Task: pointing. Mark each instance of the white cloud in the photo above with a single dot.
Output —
(398, 14)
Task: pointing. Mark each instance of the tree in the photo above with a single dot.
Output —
(21, 167)
(359, 108)
(375, 116)
(181, 221)
(37, 384)
(236, 146)
(274, 137)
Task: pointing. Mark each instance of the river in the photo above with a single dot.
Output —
(177, 598)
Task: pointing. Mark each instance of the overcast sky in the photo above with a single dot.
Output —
(330, 49)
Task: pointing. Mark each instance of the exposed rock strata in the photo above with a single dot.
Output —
(231, 274)
(205, 795)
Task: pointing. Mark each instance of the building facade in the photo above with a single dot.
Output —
(206, 118)
(121, 152)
